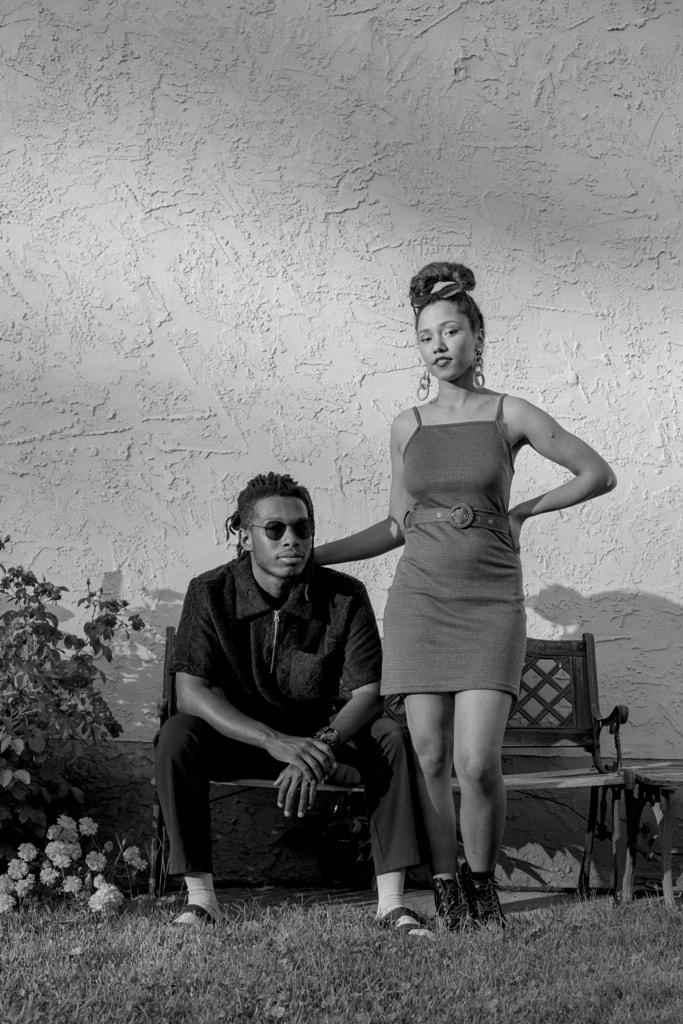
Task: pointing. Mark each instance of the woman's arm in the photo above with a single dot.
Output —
(387, 534)
(375, 540)
(592, 475)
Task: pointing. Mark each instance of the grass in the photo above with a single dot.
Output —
(588, 962)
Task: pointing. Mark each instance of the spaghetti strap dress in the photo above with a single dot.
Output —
(454, 618)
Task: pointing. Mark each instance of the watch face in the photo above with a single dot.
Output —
(330, 736)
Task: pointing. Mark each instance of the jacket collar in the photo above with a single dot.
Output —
(249, 599)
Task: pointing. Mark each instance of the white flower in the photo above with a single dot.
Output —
(7, 884)
(65, 829)
(17, 869)
(7, 902)
(72, 884)
(24, 885)
(49, 876)
(75, 851)
(96, 861)
(67, 823)
(59, 853)
(99, 881)
(131, 855)
(87, 827)
(107, 898)
(27, 852)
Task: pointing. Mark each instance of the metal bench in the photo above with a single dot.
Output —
(557, 714)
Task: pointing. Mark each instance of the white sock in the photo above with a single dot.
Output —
(390, 891)
(201, 893)
(445, 874)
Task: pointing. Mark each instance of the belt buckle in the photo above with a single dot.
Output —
(461, 516)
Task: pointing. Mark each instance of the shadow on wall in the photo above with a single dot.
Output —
(639, 655)
(631, 615)
(134, 677)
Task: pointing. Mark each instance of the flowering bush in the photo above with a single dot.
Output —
(73, 863)
(50, 704)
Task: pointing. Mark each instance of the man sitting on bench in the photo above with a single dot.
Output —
(277, 668)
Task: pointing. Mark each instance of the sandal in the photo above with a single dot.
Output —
(199, 917)
(406, 921)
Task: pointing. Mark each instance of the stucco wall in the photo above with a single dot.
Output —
(210, 212)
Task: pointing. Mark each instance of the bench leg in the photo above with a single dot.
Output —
(157, 879)
(616, 838)
(634, 804)
(586, 860)
(665, 812)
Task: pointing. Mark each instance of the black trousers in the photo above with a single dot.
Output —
(189, 753)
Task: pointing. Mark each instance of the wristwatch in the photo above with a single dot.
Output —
(329, 735)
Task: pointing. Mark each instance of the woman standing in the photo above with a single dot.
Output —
(454, 623)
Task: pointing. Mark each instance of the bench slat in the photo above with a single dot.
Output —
(572, 779)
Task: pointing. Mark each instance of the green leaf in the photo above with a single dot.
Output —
(17, 745)
(23, 776)
(6, 777)
(36, 743)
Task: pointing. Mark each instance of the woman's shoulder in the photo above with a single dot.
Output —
(515, 406)
(407, 417)
(405, 424)
(402, 428)
(520, 417)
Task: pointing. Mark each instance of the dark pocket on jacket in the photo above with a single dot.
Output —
(312, 678)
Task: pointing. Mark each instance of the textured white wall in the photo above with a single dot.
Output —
(210, 214)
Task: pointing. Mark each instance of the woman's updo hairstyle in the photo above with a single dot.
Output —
(422, 294)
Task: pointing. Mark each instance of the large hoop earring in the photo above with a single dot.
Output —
(423, 386)
(479, 378)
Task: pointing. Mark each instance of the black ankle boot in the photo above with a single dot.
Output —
(482, 895)
(451, 906)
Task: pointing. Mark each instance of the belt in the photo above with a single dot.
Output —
(461, 516)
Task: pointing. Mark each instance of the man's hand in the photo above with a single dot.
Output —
(314, 759)
(295, 790)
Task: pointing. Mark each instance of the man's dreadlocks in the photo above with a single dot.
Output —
(265, 485)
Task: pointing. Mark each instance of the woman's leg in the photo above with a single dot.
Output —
(480, 720)
(430, 721)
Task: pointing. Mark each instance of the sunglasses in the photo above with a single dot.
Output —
(447, 292)
(276, 529)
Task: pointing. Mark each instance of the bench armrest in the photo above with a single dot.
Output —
(616, 718)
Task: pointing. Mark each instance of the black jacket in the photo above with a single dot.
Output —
(290, 668)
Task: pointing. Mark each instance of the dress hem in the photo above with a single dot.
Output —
(512, 691)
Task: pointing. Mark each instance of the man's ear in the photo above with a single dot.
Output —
(245, 540)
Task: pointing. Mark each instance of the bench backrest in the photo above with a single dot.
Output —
(557, 710)
(558, 703)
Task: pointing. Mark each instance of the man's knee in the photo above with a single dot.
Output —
(391, 737)
(180, 737)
